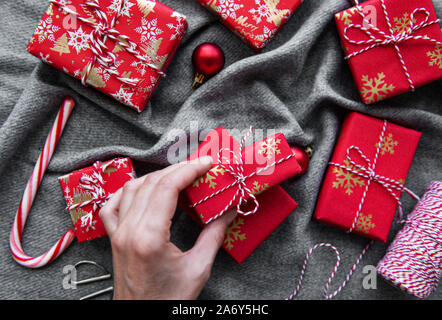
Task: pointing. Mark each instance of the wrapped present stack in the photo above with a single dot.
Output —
(87, 190)
(120, 47)
(255, 21)
(263, 165)
(392, 46)
(366, 176)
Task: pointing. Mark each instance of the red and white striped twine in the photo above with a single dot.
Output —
(237, 172)
(101, 31)
(29, 195)
(94, 185)
(413, 261)
(368, 172)
(379, 38)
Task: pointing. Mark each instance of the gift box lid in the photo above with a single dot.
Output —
(380, 71)
(113, 175)
(346, 189)
(255, 21)
(151, 30)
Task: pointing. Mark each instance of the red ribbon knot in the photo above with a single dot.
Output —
(102, 30)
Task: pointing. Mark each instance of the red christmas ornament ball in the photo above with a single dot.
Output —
(302, 155)
(208, 59)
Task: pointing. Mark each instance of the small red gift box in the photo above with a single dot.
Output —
(391, 51)
(86, 190)
(265, 164)
(255, 21)
(121, 47)
(246, 233)
(365, 177)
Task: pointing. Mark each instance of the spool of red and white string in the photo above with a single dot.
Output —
(29, 195)
(413, 261)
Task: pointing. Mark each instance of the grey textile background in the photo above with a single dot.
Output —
(299, 84)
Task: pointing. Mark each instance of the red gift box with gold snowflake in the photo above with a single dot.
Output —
(255, 21)
(120, 47)
(392, 46)
(87, 190)
(366, 175)
(246, 180)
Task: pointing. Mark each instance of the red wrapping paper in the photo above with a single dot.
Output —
(378, 72)
(155, 28)
(255, 21)
(246, 233)
(255, 157)
(114, 176)
(342, 191)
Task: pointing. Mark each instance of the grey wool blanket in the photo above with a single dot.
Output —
(299, 85)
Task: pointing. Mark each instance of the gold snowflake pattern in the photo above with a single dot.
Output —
(209, 177)
(435, 57)
(375, 89)
(347, 180)
(364, 223)
(388, 144)
(269, 148)
(233, 233)
(346, 15)
(402, 24)
(258, 188)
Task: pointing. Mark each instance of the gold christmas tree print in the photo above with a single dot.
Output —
(209, 177)
(89, 14)
(375, 89)
(233, 233)
(435, 57)
(346, 15)
(258, 188)
(211, 5)
(269, 148)
(347, 180)
(364, 223)
(146, 6)
(388, 144)
(61, 45)
(109, 170)
(151, 49)
(94, 78)
(402, 24)
(79, 196)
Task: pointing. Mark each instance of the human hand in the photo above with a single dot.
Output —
(138, 219)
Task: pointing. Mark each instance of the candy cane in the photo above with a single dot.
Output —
(30, 193)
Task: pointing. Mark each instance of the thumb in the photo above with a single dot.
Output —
(211, 238)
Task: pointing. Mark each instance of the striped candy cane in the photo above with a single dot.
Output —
(30, 193)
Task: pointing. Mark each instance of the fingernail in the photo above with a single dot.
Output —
(205, 160)
(231, 216)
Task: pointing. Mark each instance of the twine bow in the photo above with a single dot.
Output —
(101, 31)
(377, 37)
(367, 171)
(237, 172)
(99, 196)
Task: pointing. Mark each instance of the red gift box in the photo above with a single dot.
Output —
(365, 177)
(265, 164)
(86, 190)
(255, 21)
(123, 55)
(391, 51)
(246, 233)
